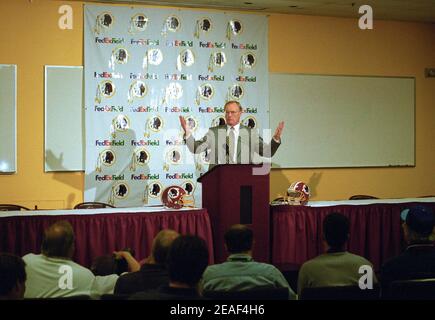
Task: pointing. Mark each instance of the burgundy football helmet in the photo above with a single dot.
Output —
(175, 197)
(298, 193)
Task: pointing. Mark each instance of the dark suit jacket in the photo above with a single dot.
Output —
(249, 143)
(150, 276)
(417, 262)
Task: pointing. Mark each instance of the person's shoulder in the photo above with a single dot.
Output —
(314, 262)
(214, 267)
(30, 257)
(266, 268)
(358, 259)
(130, 276)
(220, 127)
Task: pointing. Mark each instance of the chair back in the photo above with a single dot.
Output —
(415, 289)
(92, 205)
(251, 294)
(109, 297)
(340, 293)
(362, 197)
(12, 207)
(76, 297)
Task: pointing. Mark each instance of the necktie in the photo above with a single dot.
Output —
(232, 143)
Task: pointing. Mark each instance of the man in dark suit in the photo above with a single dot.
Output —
(232, 143)
(418, 260)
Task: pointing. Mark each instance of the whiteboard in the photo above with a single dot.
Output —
(8, 118)
(64, 115)
(343, 121)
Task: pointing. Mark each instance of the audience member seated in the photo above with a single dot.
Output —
(52, 274)
(187, 260)
(240, 272)
(153, 273)
(108, 268)
(12, 277)
(418, 260)
(114, 263)
(336, 267)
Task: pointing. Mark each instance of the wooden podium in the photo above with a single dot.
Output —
(232, 194)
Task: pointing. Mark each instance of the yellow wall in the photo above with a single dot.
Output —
(324, 45)
(298, 44)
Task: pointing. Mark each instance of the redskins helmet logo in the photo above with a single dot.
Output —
(217, 59)
(138, 23)
(121, 123)
(203, 25)
(236, 92)
(120, 55)
(152, 57)
(174, 91)
(155, 189)
(105, 89)
(138, 89)
(218, 121)
(247, 61)
(298, 193)
(120, 190)
(173, 156)
(175, 197)
(234, 28)
(250, 122)
(155, 123)
(107, 157)
(171, 24)
(104, 21)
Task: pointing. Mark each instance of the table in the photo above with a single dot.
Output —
(375, 229)
(102, 231)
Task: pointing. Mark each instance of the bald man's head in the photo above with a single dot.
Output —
(58, 240)
(161, 244)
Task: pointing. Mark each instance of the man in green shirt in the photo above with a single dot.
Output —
(240, 272)
(336, 267)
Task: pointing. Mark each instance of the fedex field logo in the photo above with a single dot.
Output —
(108, 143)
(244, 46)
(107, 40)
(142, 143)
(175, 142)
(246, 79)
(145, 109)
(211, 109)
(176, 176)
(108, 75)
(220, 45)
(107, 177)
(211, 78)
(109, 108)
(177, 109)
(145, 176)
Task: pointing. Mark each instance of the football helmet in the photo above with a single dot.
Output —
(298, 193)
(175, 197)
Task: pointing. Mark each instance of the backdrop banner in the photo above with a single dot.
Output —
(144, 67)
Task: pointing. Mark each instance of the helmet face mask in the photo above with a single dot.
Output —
(298, 193)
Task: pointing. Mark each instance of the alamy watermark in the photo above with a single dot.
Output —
(65, 21)
(366, 20)
(366, 280)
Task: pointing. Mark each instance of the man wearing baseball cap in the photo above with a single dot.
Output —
(418, 260)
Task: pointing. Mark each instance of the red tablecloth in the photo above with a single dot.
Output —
(99, 234)
(375, 232)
